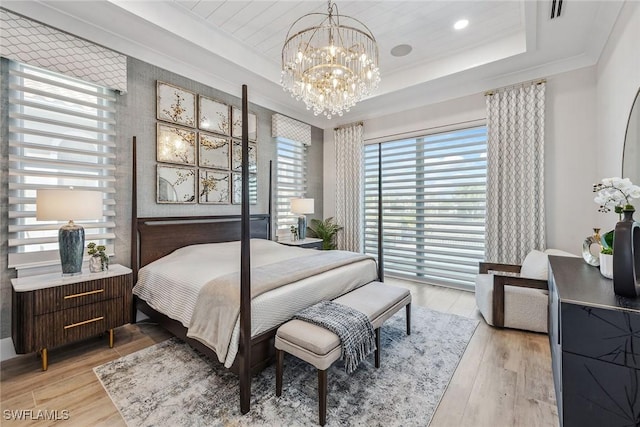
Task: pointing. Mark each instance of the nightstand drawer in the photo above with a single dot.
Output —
(58, 298)
(77, 323)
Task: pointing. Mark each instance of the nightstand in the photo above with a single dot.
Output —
(50, 310)
(308, 243)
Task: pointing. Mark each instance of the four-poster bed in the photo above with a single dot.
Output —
(157, 237)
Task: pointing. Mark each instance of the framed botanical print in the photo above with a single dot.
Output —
(175, 185)
(175, 145)
(236, 157)
(214, 116)
(214, 187)
(175, 105)
(236, 183)
(236, 124)
(213, 151)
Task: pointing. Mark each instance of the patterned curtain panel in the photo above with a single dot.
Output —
(32, 43)
(515, 173)
(349, 151)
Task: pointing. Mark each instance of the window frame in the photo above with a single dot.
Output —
(295, 162)
(416, 193)
(62, 134)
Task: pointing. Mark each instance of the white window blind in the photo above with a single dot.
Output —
(291, 180)
(61, 135)
(433, 204)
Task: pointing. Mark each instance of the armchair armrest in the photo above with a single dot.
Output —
(499, 283)
(485, 267)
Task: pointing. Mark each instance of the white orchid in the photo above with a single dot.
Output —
(615, 193)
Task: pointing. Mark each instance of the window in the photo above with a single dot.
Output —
(433, 204)
(61, 134)
(291, 181)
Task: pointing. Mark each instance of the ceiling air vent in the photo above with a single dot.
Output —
(556, 8)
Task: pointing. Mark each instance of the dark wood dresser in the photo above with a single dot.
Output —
(50, 310)
(595, 347)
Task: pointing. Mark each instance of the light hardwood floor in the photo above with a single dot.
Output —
(504, 378)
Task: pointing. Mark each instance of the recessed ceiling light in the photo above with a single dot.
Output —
(401, 50)
(459, 25)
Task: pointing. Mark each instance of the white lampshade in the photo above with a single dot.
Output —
(67, 205)
(302, 206)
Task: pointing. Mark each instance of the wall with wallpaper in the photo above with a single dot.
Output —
(136, 116)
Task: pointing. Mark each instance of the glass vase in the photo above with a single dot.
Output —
(591, 248)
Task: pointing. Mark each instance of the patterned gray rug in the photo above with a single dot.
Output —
(170, 384)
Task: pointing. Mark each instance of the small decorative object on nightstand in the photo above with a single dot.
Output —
(49, 310)
(308, 243)
(99, 260)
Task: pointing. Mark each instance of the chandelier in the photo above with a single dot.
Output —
(331, 65)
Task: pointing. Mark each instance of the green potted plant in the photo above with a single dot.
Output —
(325, 230)
(99, 260)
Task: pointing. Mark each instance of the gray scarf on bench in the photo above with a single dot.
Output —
(352, 327)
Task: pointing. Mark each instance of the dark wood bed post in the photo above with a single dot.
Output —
(270, 199)
(134, 227)
(380, 217)
(245, 268)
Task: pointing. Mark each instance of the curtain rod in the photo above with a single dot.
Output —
(530, 82)
(360, 123)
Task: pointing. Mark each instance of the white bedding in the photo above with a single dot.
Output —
(171, 284)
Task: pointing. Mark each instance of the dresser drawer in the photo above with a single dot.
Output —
(599, 394)
(607, 335)
(77, 323)
(77, 294)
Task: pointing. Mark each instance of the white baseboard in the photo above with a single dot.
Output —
(7, 351)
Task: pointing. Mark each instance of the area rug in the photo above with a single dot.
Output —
(171, 384)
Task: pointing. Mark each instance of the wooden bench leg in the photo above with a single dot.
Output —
(322, 396)
(377, 352)
(408, 311)
(279, 368)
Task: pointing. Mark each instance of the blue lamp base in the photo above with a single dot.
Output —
(302, 227)
(71, 242)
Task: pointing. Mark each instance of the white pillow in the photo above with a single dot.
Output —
(535, 265)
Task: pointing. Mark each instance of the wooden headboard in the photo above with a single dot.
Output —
(159, 236)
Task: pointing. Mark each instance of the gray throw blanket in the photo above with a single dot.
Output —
(352, 327)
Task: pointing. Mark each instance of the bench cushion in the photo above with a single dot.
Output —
(312, 337)
(311, 343)
(321, 347)
(377, 300)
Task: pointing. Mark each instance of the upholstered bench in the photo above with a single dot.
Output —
(321, 347)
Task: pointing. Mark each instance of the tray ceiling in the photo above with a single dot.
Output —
(227, 43)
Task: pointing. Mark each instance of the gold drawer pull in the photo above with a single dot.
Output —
(84, 323)
(83, 294)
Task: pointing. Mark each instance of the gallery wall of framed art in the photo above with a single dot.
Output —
(199, 150)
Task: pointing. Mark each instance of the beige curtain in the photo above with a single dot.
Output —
(515, 173)
(349, 143)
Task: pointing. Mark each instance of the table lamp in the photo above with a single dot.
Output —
(302, 207)
(69, 204)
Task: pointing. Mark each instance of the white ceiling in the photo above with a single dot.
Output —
(228, 43)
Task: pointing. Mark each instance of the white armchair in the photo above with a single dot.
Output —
(518, 299)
